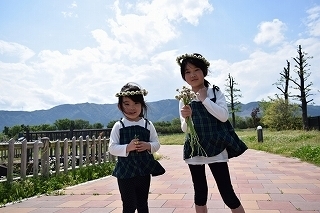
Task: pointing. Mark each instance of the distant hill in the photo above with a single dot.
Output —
(164, 110)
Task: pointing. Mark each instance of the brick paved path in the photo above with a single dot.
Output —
(265, 183)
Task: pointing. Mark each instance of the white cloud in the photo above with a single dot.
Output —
(110, 48)
(143, 32)
(256, 74)
(19, 52)
(189, 10)
(74, 4)
(270, 32)
(149, 25)
(313, 21)
(139, 44)
(71, 13)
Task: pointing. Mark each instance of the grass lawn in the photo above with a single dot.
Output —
(304, 145)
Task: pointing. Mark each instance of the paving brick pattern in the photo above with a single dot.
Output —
(265, 183)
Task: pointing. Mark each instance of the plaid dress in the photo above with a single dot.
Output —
(136, 163)
(214, 135)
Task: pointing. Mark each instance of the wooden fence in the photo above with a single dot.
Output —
(51, 156)
(61, 134)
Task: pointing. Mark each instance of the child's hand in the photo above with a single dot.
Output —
(186, 111)
(202, 94)
(142, 146)
(132, 145)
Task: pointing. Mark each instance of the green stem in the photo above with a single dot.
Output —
(193, 138)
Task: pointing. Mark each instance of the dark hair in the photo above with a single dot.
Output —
(196, 62)
(135, 98)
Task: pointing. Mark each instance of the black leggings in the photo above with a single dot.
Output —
(134, 194)
(220, 172)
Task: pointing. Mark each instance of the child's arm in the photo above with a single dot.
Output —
(154, 139)
(182, 119)
(115, 148)
(218, 109)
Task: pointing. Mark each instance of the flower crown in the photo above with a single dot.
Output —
(128, 93)
(193, 55)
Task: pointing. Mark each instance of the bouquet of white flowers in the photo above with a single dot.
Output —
(186, 95)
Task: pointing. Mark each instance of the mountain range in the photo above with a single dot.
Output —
(163, 110)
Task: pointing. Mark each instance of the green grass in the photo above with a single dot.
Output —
(304, 145)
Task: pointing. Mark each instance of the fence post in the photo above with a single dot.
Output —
(73, 148)
(58, 157)
(99, 150)
(28, 134)
(36, 158)
(80, 151)
(111, 157)
(10, 160)
(29, 151)
(88, 149)
(105, 149)
(66, 155)
(93, 150)
(71, 129)
(45, 156)
(23, 161)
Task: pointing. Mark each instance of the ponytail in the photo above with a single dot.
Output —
(206, 83)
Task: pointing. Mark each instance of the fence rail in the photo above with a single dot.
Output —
(61, 134)
(50, 156)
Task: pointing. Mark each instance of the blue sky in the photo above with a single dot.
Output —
(68, 52)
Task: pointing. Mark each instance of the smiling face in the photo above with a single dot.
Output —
(194, 76)
(131, 109)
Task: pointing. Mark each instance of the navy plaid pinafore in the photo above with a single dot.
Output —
(136, 163)
(214, 135)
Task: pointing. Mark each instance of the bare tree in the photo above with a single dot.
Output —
(283, 82)
(232, 96)
(255, 117)
(301, 83)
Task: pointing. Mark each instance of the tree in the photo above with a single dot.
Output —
(63, 124)
(283, 82)
(81, 124)
(111, 123)
(14, 131)
(42, 127)
(241, 123)
(176, 122)
(301, 83)
(255, 117)
(232, 96)
(6, 130)
(97, 126)
(281, 115)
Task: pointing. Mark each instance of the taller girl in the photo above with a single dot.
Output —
(209, 113)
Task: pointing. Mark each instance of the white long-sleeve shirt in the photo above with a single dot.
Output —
(218, 109)
(117, 149)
